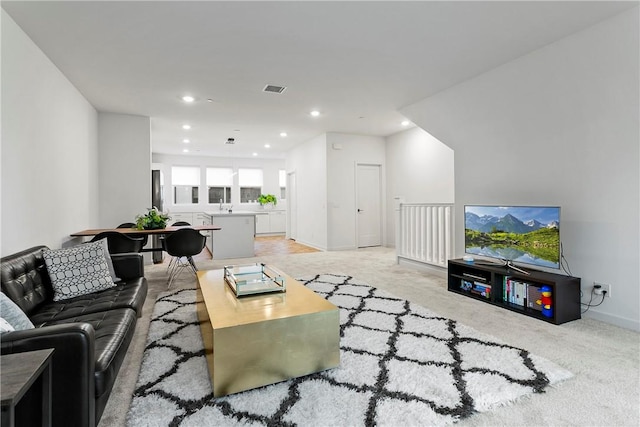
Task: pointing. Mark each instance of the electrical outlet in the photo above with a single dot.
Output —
(603, 287)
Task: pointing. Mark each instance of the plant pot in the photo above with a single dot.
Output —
(155, 226)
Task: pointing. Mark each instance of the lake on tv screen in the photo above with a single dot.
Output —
(511, 254)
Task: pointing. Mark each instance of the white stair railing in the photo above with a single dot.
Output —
(425, 233)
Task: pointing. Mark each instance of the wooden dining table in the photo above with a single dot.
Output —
(155, 231)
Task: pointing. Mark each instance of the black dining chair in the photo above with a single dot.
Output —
(175, 224)
(119, 243)
(127, 225)
(145, 237)
(183, 245)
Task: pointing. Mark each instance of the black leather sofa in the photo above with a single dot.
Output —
(90, 333)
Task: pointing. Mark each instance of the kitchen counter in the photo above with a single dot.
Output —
(236, 238)
(233, 213)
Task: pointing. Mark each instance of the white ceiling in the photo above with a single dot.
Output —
(357, 62)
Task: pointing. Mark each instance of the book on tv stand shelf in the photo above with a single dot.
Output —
(474, 277)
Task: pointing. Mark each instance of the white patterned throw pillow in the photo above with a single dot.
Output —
(5, 326)
(107, 257)
(13, 314)
(78, 270)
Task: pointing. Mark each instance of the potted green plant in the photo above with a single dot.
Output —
(267, 199)
(153, 219)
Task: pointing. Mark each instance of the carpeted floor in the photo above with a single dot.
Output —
(401, 364)
(604, 359)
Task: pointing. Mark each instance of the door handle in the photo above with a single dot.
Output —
(359, 210)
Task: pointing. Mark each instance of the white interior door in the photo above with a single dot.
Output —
(369, 205)
(292, 206)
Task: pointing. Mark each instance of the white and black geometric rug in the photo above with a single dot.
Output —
(401, 364)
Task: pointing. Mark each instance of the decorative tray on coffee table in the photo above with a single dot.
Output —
(253, 279)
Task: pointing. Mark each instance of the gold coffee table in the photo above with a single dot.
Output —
(258, 340)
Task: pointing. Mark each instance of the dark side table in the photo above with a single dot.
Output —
(25, 380)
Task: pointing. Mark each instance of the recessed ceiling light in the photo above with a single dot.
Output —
(267, 145)
(283, 134)
(255, 154)
(186, 150)
(186, 127)
(186, 141)
(405, 123)
(315, 113)
(188, 98)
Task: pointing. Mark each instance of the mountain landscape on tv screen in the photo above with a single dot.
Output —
(508, 223)
(531, 238)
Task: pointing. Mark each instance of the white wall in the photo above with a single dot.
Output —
(49, 149)
(270, 168)
(124, 143)
(559, 126)
(341, 184)
(420, 169)
(309, 162)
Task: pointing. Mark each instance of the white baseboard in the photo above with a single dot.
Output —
(632, 324)
(342, 248)
(302, 242)
(434, 269)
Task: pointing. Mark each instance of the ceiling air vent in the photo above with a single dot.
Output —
(274, 89)
(230, 141)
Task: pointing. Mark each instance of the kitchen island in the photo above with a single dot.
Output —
(235, 239)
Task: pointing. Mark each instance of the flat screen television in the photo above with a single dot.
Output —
(523, 234)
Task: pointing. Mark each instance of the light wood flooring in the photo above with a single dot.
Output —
(279, 245)
(268, 245)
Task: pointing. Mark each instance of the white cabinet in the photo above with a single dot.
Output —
(262, 223)
(274, 222)
(181, 216)
(278, 221)
(201, 218)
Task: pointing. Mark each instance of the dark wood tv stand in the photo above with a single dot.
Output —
(565, 290)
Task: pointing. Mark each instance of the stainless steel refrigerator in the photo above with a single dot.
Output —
(157, 201)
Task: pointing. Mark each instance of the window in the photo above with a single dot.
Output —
(282, 177)
(186, 183)
(250, 182)
(219, 183)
